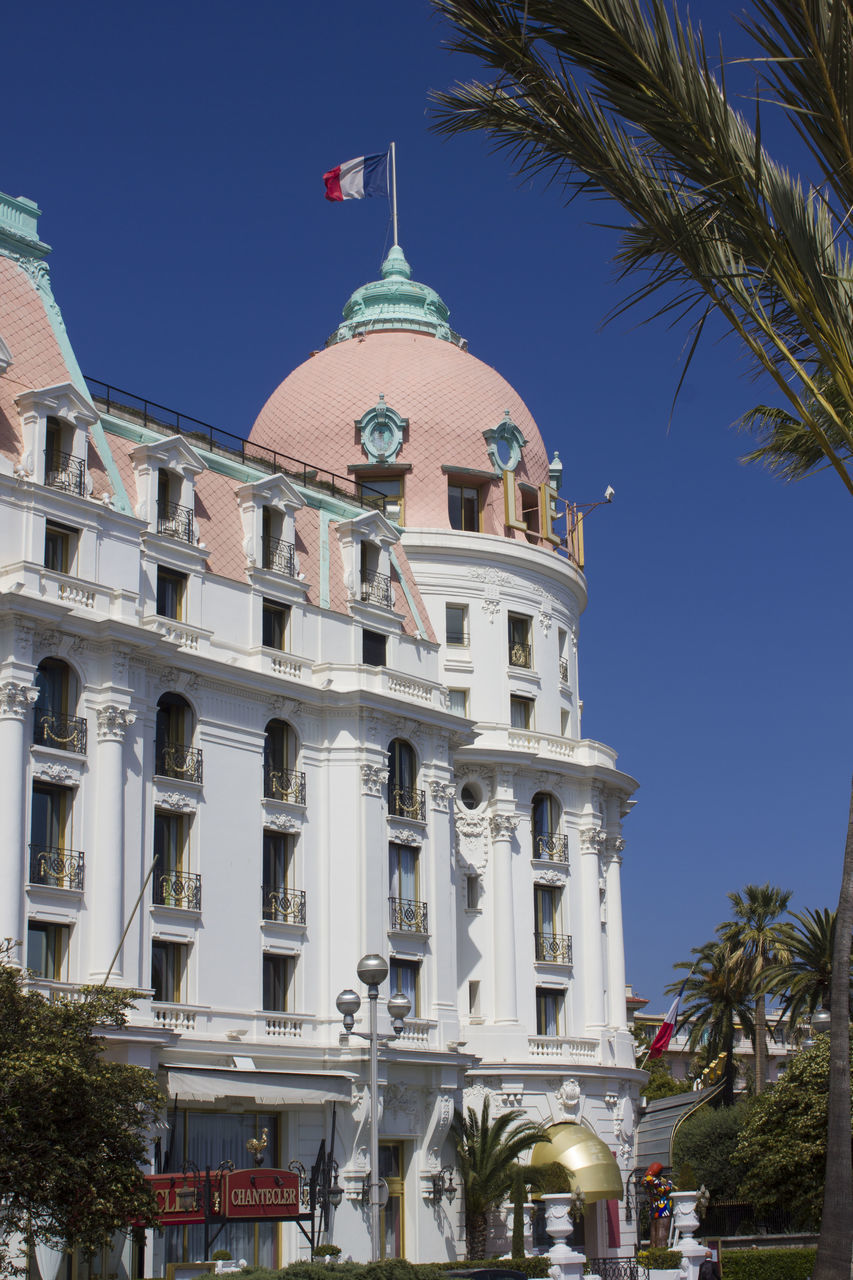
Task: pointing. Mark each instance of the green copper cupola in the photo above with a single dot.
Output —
(396, 302)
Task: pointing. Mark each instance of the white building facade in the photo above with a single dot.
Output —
(269, 705)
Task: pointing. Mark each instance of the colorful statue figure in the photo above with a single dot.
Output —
(660, 1191)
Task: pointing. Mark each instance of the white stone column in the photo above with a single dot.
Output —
(503, 826)
(615, 941)
(15, 702)
(105, 873)
(591, 958)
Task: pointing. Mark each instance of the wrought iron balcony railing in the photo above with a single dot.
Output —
(408, 916)
(63, 471)
(564, 670)
(520, 655)
(279, 784)
(178, 889)
(174, 760)
(58, 868)
(376, 588)
(66, 733)
(556, 947)
(551, 846)
(175, 520)
(406, 802)
(279, 555)
(284, 905)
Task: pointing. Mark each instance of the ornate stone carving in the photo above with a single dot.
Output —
(55, 773)
(507, 1099)
(504, 825)
(282, 822)
(49, 640)
(491, 607)
(442, 1118)
(592, 839)
(495, 577)
(176, 801)
(373, 779)
(471, 843)
(615, 844)
(569, 1096)
(16, 699)
(442, 793)
(551, 877)
(114, 722)
(401, 835)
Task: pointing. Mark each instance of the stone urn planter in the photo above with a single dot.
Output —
(686, 1221)
(566, 1264)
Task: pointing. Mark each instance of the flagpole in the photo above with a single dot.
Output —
(394, 188)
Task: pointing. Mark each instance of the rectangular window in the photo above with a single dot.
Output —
(520, 648)
(473, 999)
(171, 591)
(549, 1011)
(457, 701)
(50, 818)
(169, 971)
(405, 977)
(456, 625)
(171, 831)
(564, 723)
(385, 493)
(278, 977)
(546, 902)
(520, 712)
(47, 950)
(373, 648)
(60, 544)
(275, 619)
(472, 893)
(463, 507)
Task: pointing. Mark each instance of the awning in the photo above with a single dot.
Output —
(590, 1162)
(267, 1088)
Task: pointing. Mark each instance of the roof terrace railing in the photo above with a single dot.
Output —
(156, 416)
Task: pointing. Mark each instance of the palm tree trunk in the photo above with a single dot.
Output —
(760, 1045)
(835, 1244)
(477, 1235)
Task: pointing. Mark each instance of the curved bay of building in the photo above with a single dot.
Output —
(260, 718)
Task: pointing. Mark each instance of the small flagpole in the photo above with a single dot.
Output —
(394, 188)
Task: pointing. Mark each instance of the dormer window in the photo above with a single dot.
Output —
(173, 518)
(375, 586)
(278, 551)
(268, 509)
(55, 424)
(61, 469)
(366, 545)
(463, 507)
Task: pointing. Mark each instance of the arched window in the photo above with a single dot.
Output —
(55, 723)
(404, 799)
(547, 841)
(176, 757)
(281, 779)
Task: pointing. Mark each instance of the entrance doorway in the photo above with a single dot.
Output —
(392, 1216)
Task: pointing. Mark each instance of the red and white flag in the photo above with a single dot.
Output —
(663, 1037)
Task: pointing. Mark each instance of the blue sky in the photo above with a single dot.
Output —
(177, 149)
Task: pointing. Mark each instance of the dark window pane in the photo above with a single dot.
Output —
(373, 649)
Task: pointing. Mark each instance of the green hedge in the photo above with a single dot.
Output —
(660, 1259)
(393, 1269)
(768, 1264)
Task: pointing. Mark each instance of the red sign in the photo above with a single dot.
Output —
(180, 1201)
(261, 1193)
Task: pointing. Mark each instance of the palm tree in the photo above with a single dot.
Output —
(755, 941)
(803, 982)
(716, 1005)
(488, 1151)
(621, 101)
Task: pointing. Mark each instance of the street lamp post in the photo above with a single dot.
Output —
(372, 971)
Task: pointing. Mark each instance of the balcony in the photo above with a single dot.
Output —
(554, 948)
(174, 760)
(280, 784)
(520, 655)
(408, 915)
(178, 889)
(564, 670)
(57, 868)
(279, 556)
(376, 589)
(63, 471)
(175, 521)
(550, 846)
(65, 733)
(283, 905)
(406, 802)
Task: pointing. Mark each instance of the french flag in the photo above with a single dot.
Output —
(663, 1037)
(355, 179)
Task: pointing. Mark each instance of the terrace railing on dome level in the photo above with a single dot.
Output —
(407, 802)
(287, 906)
(550, 846)
(554, 947)
(174, 760)
(63, 471)
(280, 784)
(408, 915)
(279, 556)
(175, 521)
(178, 889)
(56, 867)
(65, 733)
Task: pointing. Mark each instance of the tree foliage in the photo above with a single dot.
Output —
(803, 981)
(488, 1151)
(72, 1125)
(716, 1004)
(705, 1141)
(781, 1151)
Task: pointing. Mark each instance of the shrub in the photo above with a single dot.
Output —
(661, 1259)
(533, 1268)
(220, 1255)
(327, 1251)
(768, 1264)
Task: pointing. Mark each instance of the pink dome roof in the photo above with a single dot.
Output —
(448, 396)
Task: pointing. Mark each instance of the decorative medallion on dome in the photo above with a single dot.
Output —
(505, 443)
(381, 432)
(396, 302)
